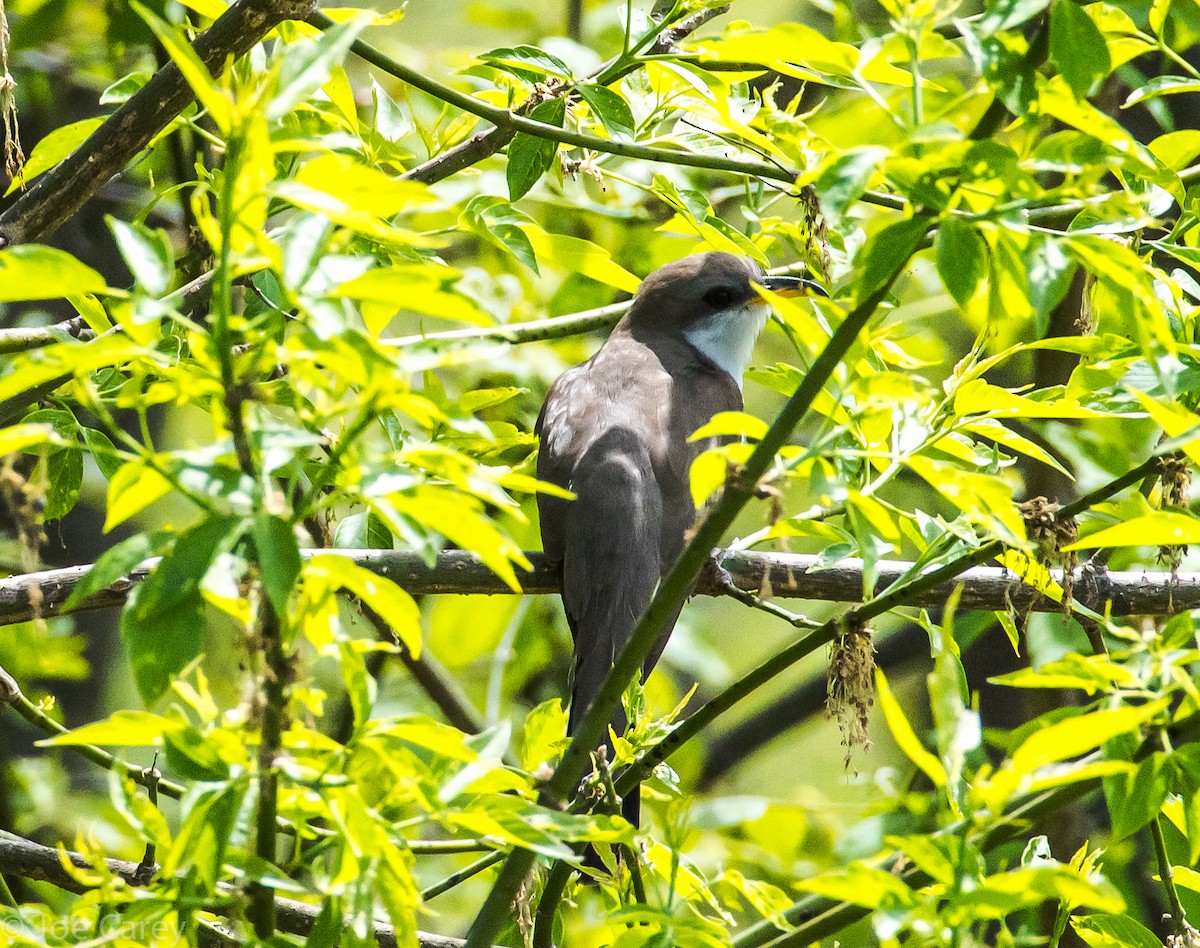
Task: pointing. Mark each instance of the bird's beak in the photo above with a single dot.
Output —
(791, 286)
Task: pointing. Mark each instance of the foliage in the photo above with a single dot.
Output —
(985, 193)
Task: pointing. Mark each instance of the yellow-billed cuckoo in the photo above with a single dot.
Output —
(614, 431)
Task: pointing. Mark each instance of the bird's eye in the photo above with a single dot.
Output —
(719, 297)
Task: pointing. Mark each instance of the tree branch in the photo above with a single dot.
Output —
(35, 337)
(22, 857)
(780, 575)
(57, 195)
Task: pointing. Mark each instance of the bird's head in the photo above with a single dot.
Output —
(710, 300)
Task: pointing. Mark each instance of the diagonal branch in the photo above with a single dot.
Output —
(55, 197)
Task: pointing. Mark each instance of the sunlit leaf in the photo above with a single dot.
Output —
(34, 272)
(393, 605)
(1161, 528)
(1080, 734)
(903, 733)
(53, 148)
(1100, 930)
(121, 729)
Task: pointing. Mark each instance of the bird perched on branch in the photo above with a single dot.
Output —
(615, 431)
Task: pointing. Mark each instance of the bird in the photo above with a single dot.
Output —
(615, 432)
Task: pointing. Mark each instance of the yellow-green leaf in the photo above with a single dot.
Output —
(579, 255)
(20, 437)
(1078, 735)
(393, 604)
(52, 149)
(977, 397)
(387, 290)
(1161, 528)
(987, 500)
(903, 733)
(208, 93)
(1175, 421)
(122, 729)
(35, 272)
(134, 487)
(731, 423)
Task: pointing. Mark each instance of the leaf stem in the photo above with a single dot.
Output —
(1166, 873)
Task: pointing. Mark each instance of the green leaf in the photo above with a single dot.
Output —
(529, 157)
(307, 64)
(121, 729)
(52, 149)
(64, 477)
(121, 91)
(34, 272)
(193, 756)
(1161, 528)
(206, 833)
(1134, 797)
(496, 220)
(278, 558)
(888, 252)
(1005, 14)
(147, 253)
(961, 258)
(103, 451)
(163, 622)
(612, 110)
(1159, 86)
(1101, 930)
(843, 182)
(63, 465)
(361, 531)
(1077, 47)
(117, 562)
(527, 62)
(903, 733)
(394, 606)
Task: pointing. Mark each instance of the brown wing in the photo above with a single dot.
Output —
(604, 435)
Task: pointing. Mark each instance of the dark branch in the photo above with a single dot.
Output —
(21, 857)
(780, 575)
(57, 195)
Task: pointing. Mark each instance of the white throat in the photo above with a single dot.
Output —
(727, 338)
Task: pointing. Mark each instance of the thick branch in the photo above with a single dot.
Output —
(21, 857)
(57, 195)
(782, 575)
